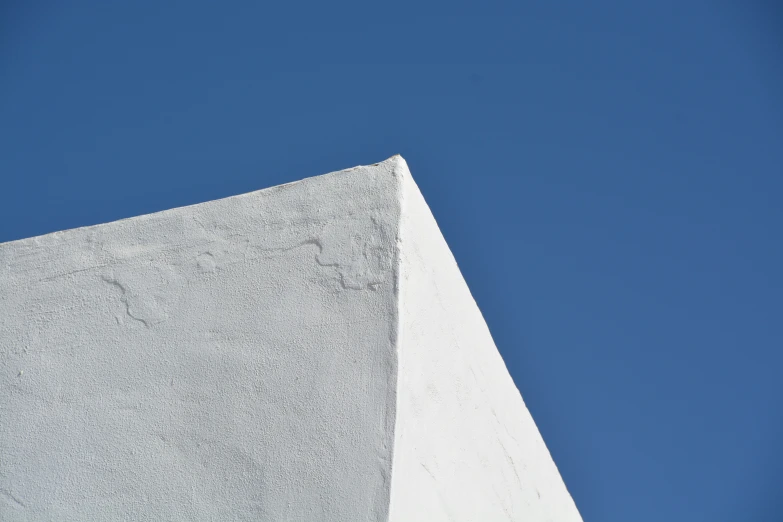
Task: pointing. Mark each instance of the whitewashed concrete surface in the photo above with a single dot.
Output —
(308, 352)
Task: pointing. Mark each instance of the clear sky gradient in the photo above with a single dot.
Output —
(608, 174)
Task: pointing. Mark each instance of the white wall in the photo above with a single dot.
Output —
(466, 448)
(226, 361)
(307, 353)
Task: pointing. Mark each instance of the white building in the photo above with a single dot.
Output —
(308, 352)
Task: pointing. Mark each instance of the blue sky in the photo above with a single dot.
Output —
(608, 175)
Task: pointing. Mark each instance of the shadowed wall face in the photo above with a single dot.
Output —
(232, 360)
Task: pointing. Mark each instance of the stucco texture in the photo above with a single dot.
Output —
(307, 352)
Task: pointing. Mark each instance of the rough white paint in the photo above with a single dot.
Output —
(238, 360)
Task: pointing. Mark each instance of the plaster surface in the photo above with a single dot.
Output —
(466, 448)
(307, 352)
